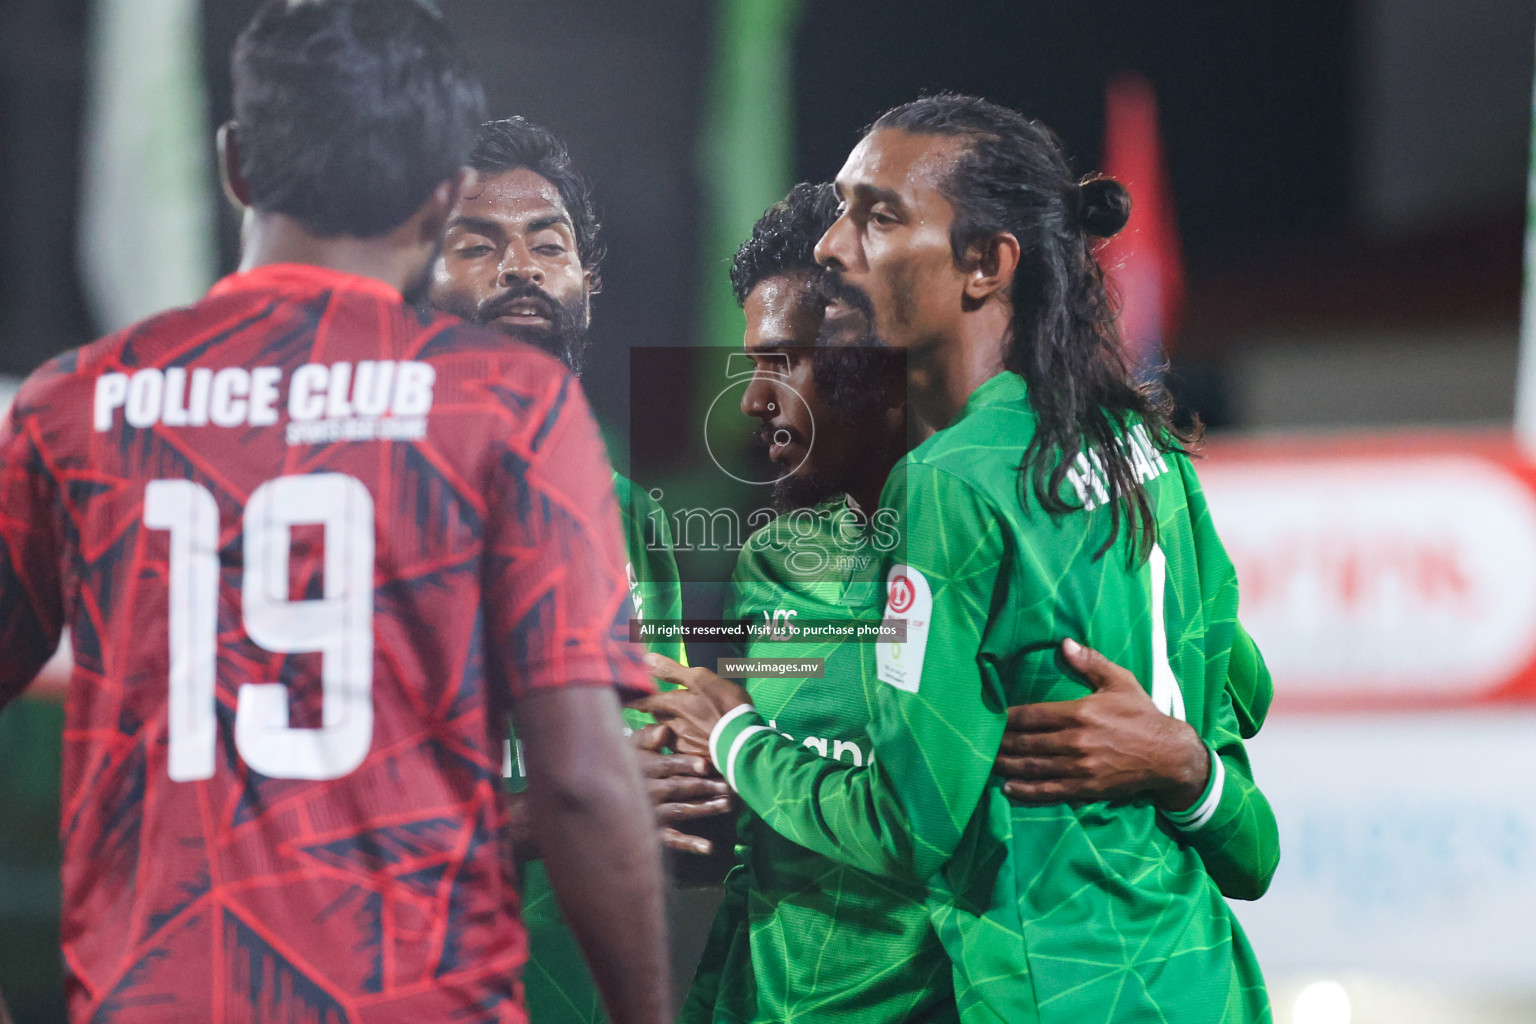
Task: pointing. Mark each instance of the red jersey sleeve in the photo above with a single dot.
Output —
(31, 553)
(557, 599)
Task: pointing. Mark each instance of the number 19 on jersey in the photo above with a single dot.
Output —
(338, 625)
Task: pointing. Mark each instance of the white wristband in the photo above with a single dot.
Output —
(720, 726)
(1199, 815)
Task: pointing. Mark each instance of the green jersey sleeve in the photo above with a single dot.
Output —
(1231, 826)
(937, 718)
(1247, 677)
(1249, 683)
(655, 587)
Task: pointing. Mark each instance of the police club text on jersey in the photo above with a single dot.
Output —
(371, 400)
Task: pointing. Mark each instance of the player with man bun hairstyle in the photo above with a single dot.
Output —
(1053, 507)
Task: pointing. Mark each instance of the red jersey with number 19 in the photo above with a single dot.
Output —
(309, 543)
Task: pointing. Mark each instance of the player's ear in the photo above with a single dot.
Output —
(990, 266)
(434, 213)
(235, 187)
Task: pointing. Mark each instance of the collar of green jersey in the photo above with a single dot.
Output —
(1007, 388)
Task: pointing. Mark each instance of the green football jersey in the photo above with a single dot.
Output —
(1062, 913)
(1240, 842)
(557, 984)
(654, 586)
(801, 936)
(1249, 682)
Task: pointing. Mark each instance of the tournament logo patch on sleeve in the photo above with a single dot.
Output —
(908, 597)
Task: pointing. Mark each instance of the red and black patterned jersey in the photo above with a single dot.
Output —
(309, 544)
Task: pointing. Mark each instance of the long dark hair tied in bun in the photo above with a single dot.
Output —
(1103, 205)
(1012, 176)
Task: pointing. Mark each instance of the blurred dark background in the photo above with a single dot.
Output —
(1336, 168)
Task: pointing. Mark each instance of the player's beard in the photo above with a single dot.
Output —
(806, 490)
(801, 488)
(858, 385)
(807, 486)
(566, 336)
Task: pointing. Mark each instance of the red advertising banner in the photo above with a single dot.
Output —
(1384, 571)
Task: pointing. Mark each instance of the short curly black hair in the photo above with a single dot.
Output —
(784, 238)
(514, 142)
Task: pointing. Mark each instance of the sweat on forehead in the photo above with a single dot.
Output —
(892, 160)
(514, 143)
(800, 291)
(521, 188)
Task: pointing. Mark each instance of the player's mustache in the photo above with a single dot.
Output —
(832, 287)
(764, 434)
(526, 294)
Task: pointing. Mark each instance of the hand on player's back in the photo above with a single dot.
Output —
(1113, 744)
(682, 787)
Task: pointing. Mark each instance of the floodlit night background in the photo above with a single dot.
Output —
(1331, 207)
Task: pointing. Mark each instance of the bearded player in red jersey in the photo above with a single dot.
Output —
(311, 545)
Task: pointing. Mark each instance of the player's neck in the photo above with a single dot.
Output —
(942, 376)
(269, 238)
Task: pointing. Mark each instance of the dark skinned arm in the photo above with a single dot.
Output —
(525, 844)
(681, 789)
(1115, 744)
(692, 711)
(52, 683)
(31, 553)
(1111, 745)
(588, 809)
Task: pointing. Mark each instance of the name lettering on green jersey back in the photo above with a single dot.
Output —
(1091, 482)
